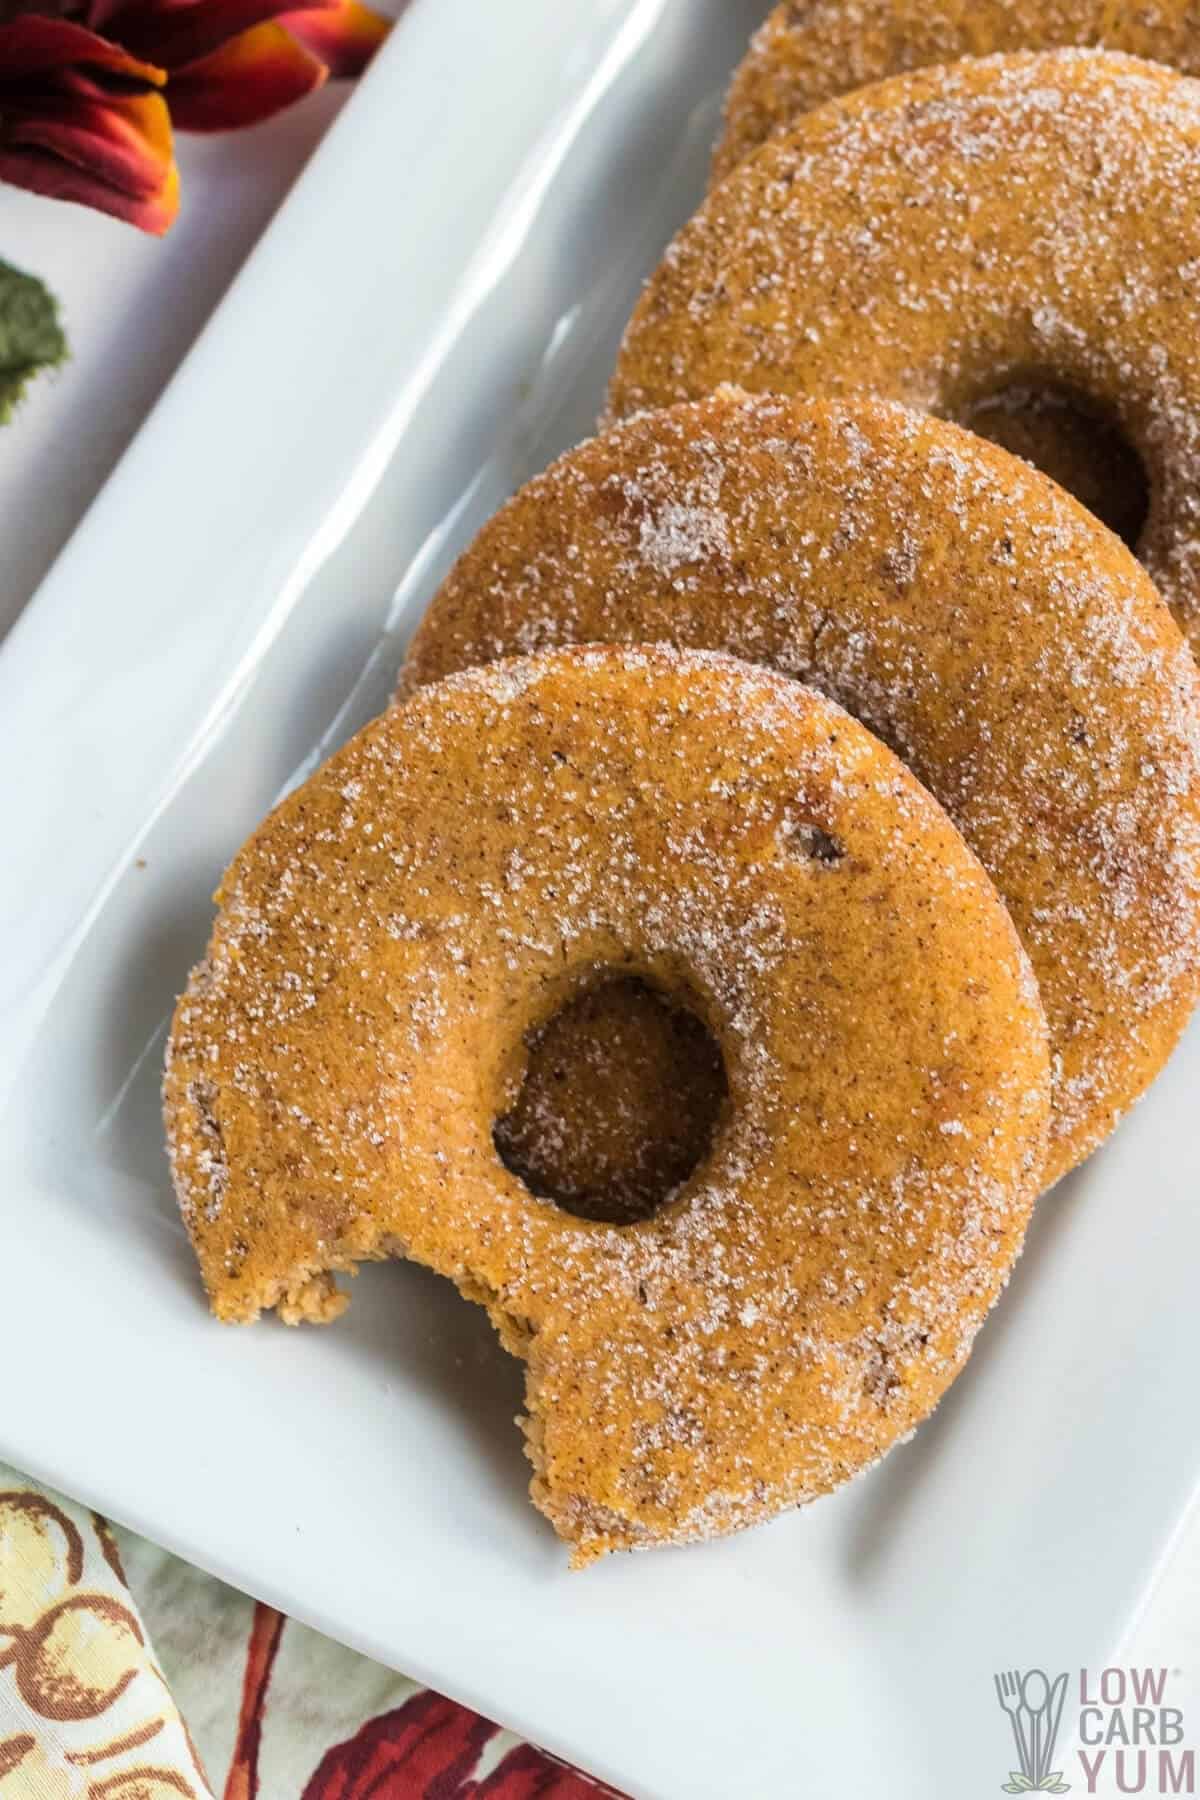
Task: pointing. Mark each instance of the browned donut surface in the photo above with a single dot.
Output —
(1004, 643)
(1013, 221)
(439, 888)
(813, 50)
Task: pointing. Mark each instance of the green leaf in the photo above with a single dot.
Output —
(31, 338)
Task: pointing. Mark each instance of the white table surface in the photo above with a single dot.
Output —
(132, 306)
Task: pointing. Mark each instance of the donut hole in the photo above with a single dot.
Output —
(623, 1091)
(1075, 440)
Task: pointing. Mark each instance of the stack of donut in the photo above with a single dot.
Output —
(783, 860)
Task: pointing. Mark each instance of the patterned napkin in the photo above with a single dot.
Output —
(277, 1712)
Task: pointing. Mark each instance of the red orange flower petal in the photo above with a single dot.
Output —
(82, 115)
(81, 119)
(46, 174)
(126, 145)
(345, 35)
(33, 45)
(176, 32)
(256, 74)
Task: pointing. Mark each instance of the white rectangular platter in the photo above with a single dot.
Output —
(429, 319)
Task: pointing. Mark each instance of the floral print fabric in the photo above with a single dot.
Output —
(273, 1711)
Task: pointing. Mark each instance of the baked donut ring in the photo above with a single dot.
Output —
(392, 930)
(813, 50)
(1016, 219)
(958, 603)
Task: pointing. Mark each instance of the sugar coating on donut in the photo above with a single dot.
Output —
(1001, 641)
(397, 925)
(1011, 217)
(804, 54)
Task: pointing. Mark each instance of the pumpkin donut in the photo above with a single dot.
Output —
(813, 50)
(388, 936)
(936, 237)
(960, 605)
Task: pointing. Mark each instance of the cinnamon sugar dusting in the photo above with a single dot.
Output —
(419, 950)
(1009, 649)
(383, 949)
(810, 52)
(1006, 218)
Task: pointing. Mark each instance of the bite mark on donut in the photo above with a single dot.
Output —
(699, 1372)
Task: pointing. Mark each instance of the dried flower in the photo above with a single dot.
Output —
(88, 95)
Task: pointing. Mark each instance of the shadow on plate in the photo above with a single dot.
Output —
(141, 998)
(408, 1327)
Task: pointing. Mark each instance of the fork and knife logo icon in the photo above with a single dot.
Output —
(1034, 1706)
